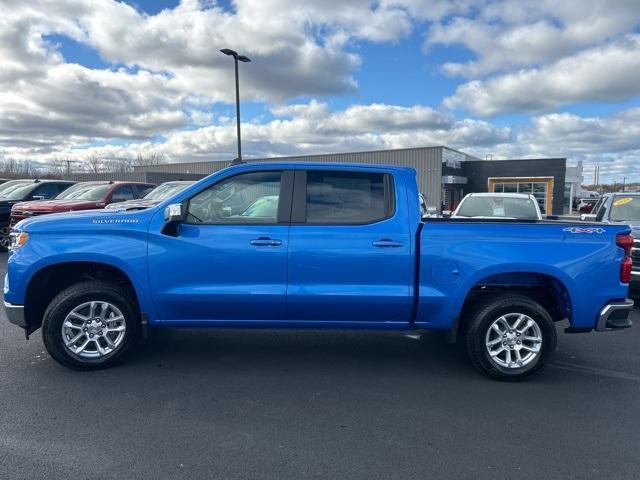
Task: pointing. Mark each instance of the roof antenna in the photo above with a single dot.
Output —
(236, 161)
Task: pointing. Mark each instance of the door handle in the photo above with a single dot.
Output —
(265, 242)
(387, 243)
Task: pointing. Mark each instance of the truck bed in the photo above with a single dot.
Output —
(580, 261)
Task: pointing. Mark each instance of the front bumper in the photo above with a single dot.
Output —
(15, 314)
(615, 315)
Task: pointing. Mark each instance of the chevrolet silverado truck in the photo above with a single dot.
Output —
(342, 246)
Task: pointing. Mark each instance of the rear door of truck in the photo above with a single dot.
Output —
(350, 247)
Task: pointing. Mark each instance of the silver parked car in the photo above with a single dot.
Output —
(519, 206)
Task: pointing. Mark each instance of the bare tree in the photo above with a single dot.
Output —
(18, 168)
(59, 166)
(94, 163)
(117, 164)
(153, 158)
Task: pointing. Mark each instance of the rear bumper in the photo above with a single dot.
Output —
(615, 315)
(15, 314)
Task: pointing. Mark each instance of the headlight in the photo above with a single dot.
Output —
(17, 240)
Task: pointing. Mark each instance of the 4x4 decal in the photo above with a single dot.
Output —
(584, 230)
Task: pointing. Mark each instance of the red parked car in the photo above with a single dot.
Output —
(81, 196)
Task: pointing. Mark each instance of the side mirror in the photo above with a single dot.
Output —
(174, 215)
(38, 197)
(588, 217)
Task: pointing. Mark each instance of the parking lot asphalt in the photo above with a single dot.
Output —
(293, 404)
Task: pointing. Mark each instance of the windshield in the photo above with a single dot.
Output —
(165, 191)
(85, 191)
(6, 187)
(625, 209)
(498, 207)
(18, 192)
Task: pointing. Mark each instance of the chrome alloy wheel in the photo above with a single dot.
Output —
(93, 329)
(514, 340)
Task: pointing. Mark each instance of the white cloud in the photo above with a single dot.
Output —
(306, 128)
(200, 117)
(297, 47)
(608, 73)
(373, 118)
(166, 72)
(507, 34)
(564, 132)
(71, 103)
(173, 62)
(612, 141)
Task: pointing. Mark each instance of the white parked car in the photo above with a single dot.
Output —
(520, 206)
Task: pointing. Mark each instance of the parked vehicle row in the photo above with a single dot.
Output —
(22, 199)
(16, 191)
(310, 245)
(154, 197)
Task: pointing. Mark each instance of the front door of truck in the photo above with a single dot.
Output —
(228, 259)
(350, 249)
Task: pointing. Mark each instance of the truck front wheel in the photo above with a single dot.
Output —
(90, 325)
(509, 336)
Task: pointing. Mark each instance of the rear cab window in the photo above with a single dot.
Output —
(338, 197)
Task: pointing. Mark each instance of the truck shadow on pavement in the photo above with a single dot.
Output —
(299, 350)
(315, 352)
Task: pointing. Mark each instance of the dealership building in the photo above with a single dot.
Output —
(444, 175)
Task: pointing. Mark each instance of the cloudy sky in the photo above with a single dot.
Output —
(515, 78)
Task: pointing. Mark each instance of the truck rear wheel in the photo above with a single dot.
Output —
(509, 337)
(90, 325)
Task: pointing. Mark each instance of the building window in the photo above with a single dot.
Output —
(540, 188)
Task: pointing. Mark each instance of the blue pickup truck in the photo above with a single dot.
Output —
(313, 246)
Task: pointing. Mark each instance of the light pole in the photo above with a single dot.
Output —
(237, 58)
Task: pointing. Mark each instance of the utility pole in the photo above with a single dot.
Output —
(245, 59)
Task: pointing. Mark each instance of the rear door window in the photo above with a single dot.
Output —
(336, 197)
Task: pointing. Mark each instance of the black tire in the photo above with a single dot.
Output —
(71, 297)
(4, 237)
(480, 317)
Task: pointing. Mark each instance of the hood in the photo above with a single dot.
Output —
(133, 204)
(63, 205)
(85, 221)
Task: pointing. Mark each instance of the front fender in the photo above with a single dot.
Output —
(124, 252)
